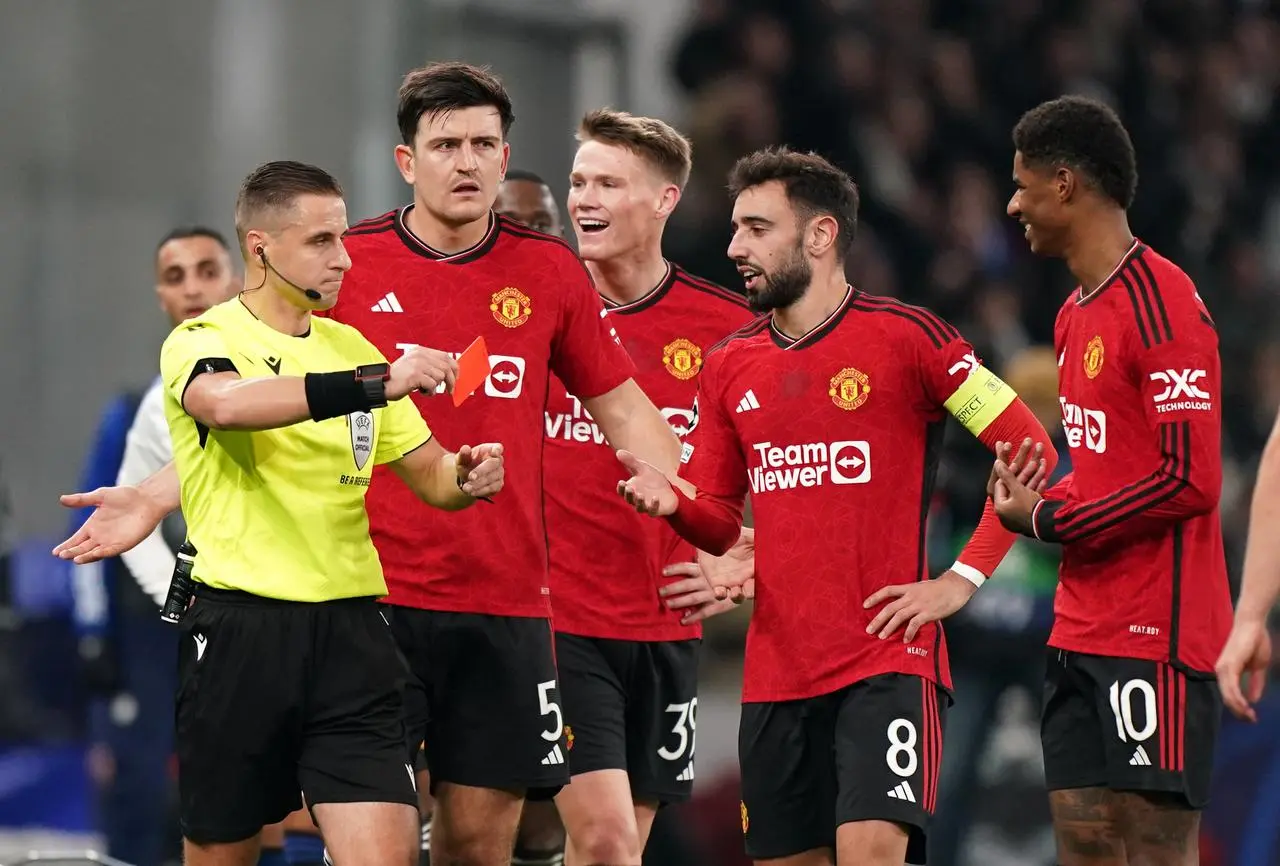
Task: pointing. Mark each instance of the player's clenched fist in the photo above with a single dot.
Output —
(480, 469)
(421, 369)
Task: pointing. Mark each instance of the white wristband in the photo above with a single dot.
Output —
(969, 573)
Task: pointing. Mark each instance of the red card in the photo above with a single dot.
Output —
(473, 369)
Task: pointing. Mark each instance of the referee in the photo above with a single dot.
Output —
(289, 678)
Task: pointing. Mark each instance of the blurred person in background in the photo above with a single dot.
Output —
(126, 648)
(525, 197)
(997, 640)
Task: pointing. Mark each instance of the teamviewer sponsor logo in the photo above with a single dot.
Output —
(1087, 427)
(1181, 391)
(811, 464)
(506, 373)
(577, 425)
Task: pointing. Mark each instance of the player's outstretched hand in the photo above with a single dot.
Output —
(421, 369)
(1247, 655)
(694, 594)
(1028, 464)
(122, 517)
(915, 604)
(647, 490)
(480, 469)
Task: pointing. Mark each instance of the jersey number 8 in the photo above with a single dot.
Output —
(902, 742)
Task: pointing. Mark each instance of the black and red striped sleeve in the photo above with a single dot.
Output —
(1178, 379)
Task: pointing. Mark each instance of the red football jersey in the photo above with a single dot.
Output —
(606, 559)
(1143, 572)
(531, 298)
(837, 437)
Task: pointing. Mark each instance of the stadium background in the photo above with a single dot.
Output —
(123, 119)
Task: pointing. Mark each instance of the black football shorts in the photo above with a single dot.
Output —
(868, 752)
(484, 697)
(632, 705)
(1128, 725)
(276, 698)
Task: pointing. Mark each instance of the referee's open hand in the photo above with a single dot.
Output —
(480, 469)
(122, 517)
(422, 369)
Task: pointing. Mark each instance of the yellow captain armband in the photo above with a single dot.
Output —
(980, 400)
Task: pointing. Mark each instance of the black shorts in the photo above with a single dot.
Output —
(632, 705)
(868, 752)
(484, 698)
(276, 698)
(1128, 725)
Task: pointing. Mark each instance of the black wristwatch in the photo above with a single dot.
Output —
(373, 378)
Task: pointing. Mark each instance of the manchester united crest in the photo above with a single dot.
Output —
(682, 358)
(849, 388)
(1093, 356)
(745, 823)
(568, 738)
(510, 307)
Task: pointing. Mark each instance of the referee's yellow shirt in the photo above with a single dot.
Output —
(280, 513)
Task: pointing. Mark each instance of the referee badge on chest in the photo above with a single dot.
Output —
(360, 425)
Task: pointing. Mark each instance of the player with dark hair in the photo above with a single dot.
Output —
(830, 413)
(289, 677)
(526, 198)
(474, 623)
(628, 666)
(1131, 708)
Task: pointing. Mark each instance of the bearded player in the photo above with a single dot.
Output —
(830, 411)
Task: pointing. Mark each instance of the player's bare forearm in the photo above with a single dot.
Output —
(1260, 585)
(432, 474)
(631, 422)
(224, 401)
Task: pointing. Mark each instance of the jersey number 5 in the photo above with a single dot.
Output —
(548, 707)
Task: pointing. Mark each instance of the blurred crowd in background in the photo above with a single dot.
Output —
(917, 100)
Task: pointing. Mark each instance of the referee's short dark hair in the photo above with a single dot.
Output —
(181, 233)
(273, 186)
(1084, 135)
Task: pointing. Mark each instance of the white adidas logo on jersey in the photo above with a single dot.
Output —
(389, 304)
(903, 792)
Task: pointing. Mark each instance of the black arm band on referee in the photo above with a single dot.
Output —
(332, 394)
